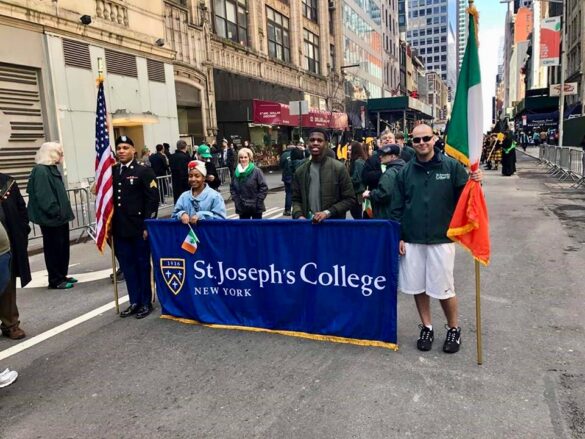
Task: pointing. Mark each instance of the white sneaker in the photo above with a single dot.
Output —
(8, 378)
(4, 372)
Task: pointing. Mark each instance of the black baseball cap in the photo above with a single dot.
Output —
(391, 148)
(124, 139)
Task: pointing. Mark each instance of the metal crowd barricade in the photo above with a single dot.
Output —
(165, 191)
(564, 163)
(83, 210)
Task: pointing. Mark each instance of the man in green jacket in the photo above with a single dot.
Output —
(321, 187)
(426, 193)
(381, 196)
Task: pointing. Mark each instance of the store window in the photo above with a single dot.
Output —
(311, 52)
(231, 20)
(278, 35)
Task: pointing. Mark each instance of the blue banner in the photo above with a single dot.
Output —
(334, 281)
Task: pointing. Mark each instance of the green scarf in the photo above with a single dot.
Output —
(246, 173)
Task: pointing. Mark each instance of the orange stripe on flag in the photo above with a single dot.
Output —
(470, 225)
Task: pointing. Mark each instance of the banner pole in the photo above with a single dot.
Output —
(116, 300)
(478, 313)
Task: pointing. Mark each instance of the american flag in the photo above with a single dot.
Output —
(104, 205)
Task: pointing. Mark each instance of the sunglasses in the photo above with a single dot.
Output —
(423, 138)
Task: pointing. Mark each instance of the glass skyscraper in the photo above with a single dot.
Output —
(431, 31)
(362, 44)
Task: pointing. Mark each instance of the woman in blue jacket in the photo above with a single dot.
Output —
(200, 202)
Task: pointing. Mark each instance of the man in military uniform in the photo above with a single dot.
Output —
(135, 199)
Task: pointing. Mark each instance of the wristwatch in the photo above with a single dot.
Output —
(328, 213)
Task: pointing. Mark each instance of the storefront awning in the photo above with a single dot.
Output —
(275, 113)
(122, 118)
(400, 104)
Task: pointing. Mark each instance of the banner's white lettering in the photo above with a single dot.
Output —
(309, 273)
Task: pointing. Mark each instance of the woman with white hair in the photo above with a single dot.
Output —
(248, 188)
(50, 208)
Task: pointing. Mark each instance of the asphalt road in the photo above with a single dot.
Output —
(109, 377)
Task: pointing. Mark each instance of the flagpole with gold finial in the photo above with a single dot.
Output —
(472, 11)
(100, 80)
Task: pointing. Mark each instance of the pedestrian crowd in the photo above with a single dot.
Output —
(415, 184)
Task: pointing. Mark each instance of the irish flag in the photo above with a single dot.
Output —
(190, 242)
(469, 225)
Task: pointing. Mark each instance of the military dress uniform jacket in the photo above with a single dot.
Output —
(135, 199)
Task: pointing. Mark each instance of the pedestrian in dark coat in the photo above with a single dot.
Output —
(14, 217)
(179, 162)
(230, 160)
(373, 168)
(159, 162)
(248, 188)
(381, 197)
(212, 179)
(50, 208)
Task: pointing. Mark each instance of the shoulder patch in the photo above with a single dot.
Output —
(153, 184)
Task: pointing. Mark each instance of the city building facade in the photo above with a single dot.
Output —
(364, 43)
(50, 56)
(438, 100)
(264, 54)
(462, 26)
(391, 43)
(431, 31)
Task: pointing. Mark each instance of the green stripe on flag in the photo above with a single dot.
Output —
(457, 138)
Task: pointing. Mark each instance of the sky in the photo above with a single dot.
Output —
(492, 15)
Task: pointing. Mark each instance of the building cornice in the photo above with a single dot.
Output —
(42, 19)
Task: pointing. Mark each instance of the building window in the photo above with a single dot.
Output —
(331, 57)
(310, 9)
(231, 20)
(311, 52)
(278, 36)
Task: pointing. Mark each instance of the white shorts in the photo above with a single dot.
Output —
(428, 269)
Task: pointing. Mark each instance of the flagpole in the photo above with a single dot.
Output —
(116, 298)
(100, 66)
(478, 313)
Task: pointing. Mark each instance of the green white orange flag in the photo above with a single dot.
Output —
(190, 242)
(469, 225)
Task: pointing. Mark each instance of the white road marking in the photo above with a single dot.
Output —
(41, 278)
(276, 214)
(270, 211)
(59, 329)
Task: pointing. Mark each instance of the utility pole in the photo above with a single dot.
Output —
(562, 79)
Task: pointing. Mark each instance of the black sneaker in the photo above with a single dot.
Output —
(425, 340)
(287, 213)
(452, 341)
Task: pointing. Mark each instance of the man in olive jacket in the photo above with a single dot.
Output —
(322, 186)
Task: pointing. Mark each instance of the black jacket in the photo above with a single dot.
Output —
(211, 170)
(158, 163)
(18, 228)
(135, 199)
(178, 162)
(372, 172)
(230, 161)
(249, 193)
